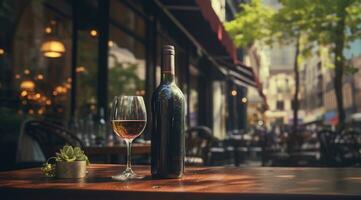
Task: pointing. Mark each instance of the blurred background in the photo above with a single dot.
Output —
(267, 82)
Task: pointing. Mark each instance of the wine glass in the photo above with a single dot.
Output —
(128, 118)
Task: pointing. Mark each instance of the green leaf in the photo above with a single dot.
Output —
(48, 169)
(68, 150)
(251, 24)
(77, 151)
(70, 154)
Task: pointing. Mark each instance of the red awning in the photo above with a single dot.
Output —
(199, 18)
(217, 27)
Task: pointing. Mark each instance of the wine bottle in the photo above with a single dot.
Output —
(168, 122)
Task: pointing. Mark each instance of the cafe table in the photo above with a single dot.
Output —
(198, 183)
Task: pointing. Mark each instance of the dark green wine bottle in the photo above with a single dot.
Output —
(168, 122)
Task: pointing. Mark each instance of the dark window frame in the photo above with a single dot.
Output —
(280, 105)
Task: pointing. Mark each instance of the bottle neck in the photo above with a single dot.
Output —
(167, 78)
(168, 74)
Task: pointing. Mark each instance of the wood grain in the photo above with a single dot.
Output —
(198, 183)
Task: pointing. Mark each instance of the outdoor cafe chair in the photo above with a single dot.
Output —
(47, 136)
(198, 142)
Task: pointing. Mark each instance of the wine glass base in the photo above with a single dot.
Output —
(127, 174)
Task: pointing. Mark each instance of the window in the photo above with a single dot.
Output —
(126, 67)
(37, 77)
(280, 105)
(87, 61)
(287, 85)
(193, 96)
(319, 66)
(126, 55)
(128, 20)
(86, 72)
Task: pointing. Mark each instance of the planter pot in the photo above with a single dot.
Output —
(76, 169)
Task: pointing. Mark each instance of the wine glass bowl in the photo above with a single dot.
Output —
(128, 118)
(128, 129)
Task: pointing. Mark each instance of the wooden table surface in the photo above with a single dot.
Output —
(198, 183)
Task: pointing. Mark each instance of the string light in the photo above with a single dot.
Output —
(60, 89)
(80, 69)
(24, 93)
(234, 93)
(40, 111)
(37, 96)
(244, 100)
(40, 77)
(93, 33)
(48, 30)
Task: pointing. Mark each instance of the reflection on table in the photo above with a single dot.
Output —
(197, 183)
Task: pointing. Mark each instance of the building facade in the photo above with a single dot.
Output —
(318, 95)
(280, 90)
(66, 60)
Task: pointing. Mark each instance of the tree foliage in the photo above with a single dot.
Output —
(251, 24)
(329, 23)
(320, 20)
(336, 23)
(123, 78)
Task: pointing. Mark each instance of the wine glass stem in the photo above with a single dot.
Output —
(129, 154)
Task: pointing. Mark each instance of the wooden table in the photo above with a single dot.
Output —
(198, 183)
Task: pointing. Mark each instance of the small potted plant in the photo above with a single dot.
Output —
(69, 163)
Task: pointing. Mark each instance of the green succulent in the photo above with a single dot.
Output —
(66, 154)
(70, 154)
(48, 169)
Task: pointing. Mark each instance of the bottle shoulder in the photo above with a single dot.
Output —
(171, 90)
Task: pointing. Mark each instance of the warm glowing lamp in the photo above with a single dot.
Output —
(27, 85)
(53, 49)
(233, 92)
